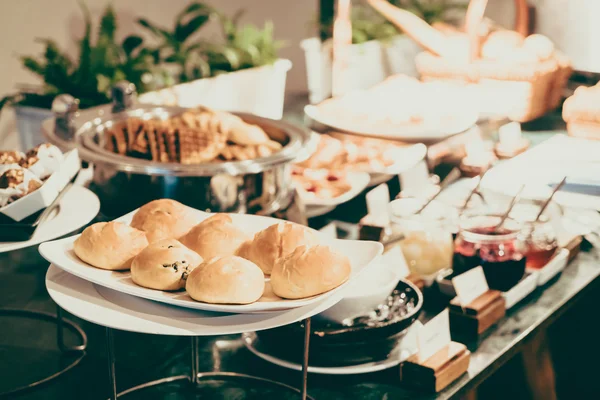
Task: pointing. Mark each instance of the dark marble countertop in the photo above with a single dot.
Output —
(141, 358)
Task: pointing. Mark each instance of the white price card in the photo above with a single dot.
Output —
(329, 230)
(434, 336)
(470, 285)
(378, 201)
(394, 259)
(510, 134)
(415, 179)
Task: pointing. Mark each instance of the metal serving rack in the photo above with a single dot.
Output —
(115, 310)
(79, 350)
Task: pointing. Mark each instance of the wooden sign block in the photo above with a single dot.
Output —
(439, 370)
(478, 316)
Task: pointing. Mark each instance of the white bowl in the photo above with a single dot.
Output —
(365, 294)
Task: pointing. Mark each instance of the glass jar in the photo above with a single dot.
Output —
(500, 251)
(539, 235)
(427, 242)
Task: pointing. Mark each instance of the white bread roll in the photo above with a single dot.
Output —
(164, 219)
(276, 241)
(501, 44)
(539, 45)
(110, 245)
(164, 265)
(226, 280)
(216, 236)
(309, 271)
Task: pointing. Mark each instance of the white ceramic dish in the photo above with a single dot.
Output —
(358, 182)
(76, 209)
(107, 307)
(45, 195)
(429, 131)
(61, 254)
(395, 358)
(364, 295)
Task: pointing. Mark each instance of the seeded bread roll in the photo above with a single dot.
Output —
(164, 265)
(110, 245)
(216, 236)
(226, 280)
(276, 241)
(309, 271)
(164, 219)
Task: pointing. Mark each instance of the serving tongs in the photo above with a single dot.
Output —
(20, 231)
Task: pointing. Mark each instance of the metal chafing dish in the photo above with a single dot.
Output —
(261, 186)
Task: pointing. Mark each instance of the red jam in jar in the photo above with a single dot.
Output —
(500, 251)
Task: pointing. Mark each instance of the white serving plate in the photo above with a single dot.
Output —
(107, 307)
(60, 253)
(45, 195)
(76, 209)
(429, 131)
(406, 348)
(358, 182)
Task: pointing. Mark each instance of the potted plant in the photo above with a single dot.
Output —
(238, 72)
(100, 63)
(378, 48)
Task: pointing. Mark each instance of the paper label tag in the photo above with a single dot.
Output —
(378, 201)
(329, 230)
(470, 285)
(434, 336)
(510, 134)
(415, 178)
(394, 258)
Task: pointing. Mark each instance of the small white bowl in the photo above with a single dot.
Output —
(365, 294)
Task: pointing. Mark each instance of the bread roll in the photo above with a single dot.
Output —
(226, 280)
(110, 245)
(164, 265)
(309, 271)
(164, 219)
(276, 241)
(216, 236)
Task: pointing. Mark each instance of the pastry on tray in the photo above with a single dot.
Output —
(216, 261)
(164, 219)
(11, 157)
(164, 265)
(226, 280)
(16, 182)
(344, 152)
(322, 183)
(216, 236)
(276, 241)
(309, 271)
(582, 113)
(507, 73)
(194, 137)
(43, 160)
(110, 245)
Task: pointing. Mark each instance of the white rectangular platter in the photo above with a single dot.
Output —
(60, 253)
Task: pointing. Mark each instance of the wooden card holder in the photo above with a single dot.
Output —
(574, 247)
(439, 370)
(478, 316)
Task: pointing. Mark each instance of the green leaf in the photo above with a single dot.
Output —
(183, 32)
(159, 32)
(108, 25)
(33, 65)
(131, 43)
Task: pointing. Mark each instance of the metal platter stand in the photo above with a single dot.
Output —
(78, 352)
(116, 310)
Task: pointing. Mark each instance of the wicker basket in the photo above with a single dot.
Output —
(521, 92)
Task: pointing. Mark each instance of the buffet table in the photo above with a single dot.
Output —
(523, 329)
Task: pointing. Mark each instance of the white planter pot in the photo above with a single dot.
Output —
(258, 91)
(29, 125)
(370, 63)
(401, 53)
(367, 66)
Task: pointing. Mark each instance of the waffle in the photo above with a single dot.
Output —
(193, 137)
